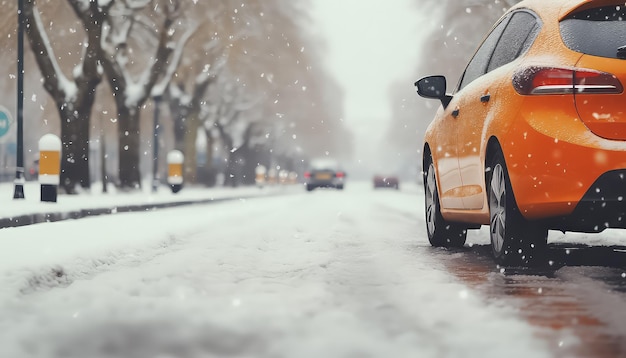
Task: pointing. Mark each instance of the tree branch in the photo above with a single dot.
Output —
(159, 89)
(55, 81)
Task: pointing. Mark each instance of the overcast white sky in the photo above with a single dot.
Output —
(371, 44)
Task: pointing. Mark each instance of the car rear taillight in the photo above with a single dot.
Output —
(550, 80)
(340, 175)
(307, 175)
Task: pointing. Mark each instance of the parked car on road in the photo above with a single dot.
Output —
(324, 173)
(534, 135)
(381, 181)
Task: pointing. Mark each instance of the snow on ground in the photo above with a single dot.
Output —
(609, 237)
(333, 274)
(321, 274)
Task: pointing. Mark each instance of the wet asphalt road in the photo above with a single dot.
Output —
(580, 293)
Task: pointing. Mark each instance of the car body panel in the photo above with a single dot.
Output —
(604, 116)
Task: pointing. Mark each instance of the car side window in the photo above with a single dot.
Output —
(478, 64)
(517, 37)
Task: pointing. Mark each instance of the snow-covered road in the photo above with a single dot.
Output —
(321, 274)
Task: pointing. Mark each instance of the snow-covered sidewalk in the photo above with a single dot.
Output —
(19, 212)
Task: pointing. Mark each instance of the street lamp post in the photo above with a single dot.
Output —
(155, 145)
(19, 171)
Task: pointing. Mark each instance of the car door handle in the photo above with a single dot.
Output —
(485, 98)
(455, 112)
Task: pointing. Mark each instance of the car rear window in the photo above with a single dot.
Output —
(519, 34)
(324, 164)
(600, 31)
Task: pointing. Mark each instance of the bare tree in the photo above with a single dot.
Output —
(188, 99)
(187, 109)
(281, 62)
(265, 51)
(122, 56)
(227, 116)
(269, 54)
(74, 97)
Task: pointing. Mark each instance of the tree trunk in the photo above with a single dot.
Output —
(180, 131)
(103, 164)
(128, 148)
(245, 165)
(253, 159)
(191, 164)
(210, 172)
(230, 177)
(75, 150)
(179, 113)
(231, 174)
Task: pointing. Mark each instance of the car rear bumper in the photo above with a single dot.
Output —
(603, 206)
(562, 168)
(335, 183)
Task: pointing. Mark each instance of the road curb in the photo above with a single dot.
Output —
(37, 218)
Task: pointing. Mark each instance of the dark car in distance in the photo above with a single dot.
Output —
(324, 173)
(381, 181)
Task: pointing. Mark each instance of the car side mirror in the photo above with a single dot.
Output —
(434, 87)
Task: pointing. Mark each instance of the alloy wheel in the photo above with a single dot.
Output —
(431, 200)
(497, 208)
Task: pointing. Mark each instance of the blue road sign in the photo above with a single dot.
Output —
(5, 121)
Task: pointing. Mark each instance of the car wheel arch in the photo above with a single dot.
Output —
(515, 240)
(493, 146)
(441, 232)
(425, 157)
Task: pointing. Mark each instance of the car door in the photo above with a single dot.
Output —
(481, 101)
(446, 157)
(468, 105)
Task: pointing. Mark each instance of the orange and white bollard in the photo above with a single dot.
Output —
(272, 176)
(293, 178)
(260, 172)
(49, 166)
(175, 159)
(283, 176)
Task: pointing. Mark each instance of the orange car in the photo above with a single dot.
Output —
(534, 135)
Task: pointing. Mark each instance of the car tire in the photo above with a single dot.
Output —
(515, 241)
(340, 187)
(309, 187)
(441, 233)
